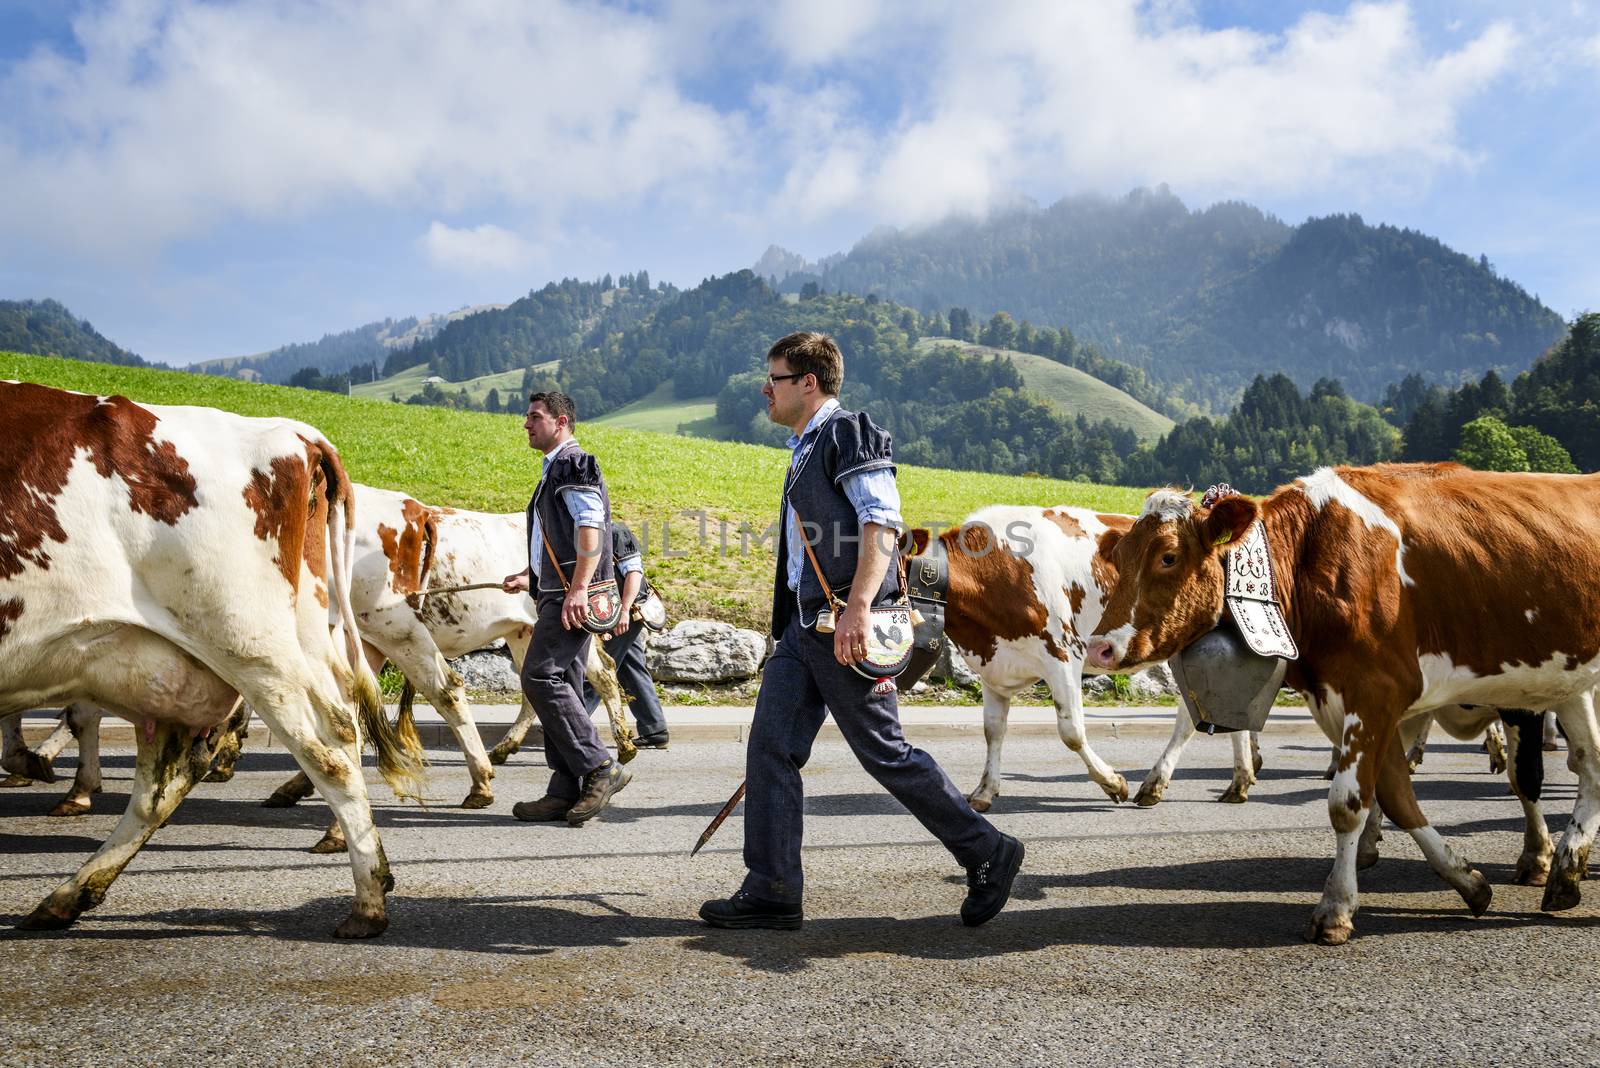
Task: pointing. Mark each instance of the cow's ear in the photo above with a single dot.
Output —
(1108, 542)
(1227, 521)
(914, 541)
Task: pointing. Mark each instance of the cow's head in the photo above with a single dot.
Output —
(1167, 589)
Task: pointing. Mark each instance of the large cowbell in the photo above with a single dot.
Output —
(1229, 686)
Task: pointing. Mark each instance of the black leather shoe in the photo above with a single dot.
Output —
(657, 740)
(989, 883)
(742, 911)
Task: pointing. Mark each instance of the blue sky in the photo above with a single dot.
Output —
(205, 179)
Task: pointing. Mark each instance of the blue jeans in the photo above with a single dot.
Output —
(800, 684)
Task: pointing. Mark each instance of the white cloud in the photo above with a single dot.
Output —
(485, 247)
(1114, 94)
(1593, 48)
(182, 114)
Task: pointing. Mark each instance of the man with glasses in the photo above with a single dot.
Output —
(841, 486)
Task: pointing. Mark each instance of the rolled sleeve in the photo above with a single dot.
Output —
(630, 565)
(585, 507)
(874, 496)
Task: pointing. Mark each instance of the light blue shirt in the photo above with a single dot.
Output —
(584, 505)
(872, 494)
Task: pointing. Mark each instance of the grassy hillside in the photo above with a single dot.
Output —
(480, 461)
(1073, 392)
(662, 413)
(405, 384)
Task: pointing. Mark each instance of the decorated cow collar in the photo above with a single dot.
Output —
(1251, 590)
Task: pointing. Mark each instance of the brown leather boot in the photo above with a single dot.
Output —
(547, 809)
(598, 786)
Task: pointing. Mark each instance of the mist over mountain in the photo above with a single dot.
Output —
(1205, 300)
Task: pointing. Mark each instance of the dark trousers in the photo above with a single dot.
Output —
(628, 652)
(552, 680)
(800, 684)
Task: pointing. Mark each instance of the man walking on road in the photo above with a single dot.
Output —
(841, 482)
(569, 518)
(627, 646)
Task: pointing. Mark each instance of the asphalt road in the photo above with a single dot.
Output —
(1135, 937)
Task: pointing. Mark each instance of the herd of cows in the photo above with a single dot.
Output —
(180, 567)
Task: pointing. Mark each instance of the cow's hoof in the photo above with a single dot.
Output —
(1366, 858)
(980, 803)
(1150, 794)
(1497, 764)
(1256, 762)
(1532, 870)
(1329, 773)
(71, 806)
(1561, 892)
(15, 782)
(359, 926)
(30, 765)
(478, 798)
(1117, 789)
(219, 774)
(501, 753)
(1478, 893)
(1328, 932)
(1235, 794)
(1549, 747)
(388, 881)
(44, 918)
(281, 799)
(330, 843)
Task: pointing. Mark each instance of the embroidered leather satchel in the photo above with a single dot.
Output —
(890, 640)
(602, 611)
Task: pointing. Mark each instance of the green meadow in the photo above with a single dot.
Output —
(1072, 392)
(407, 383)
(688, 497)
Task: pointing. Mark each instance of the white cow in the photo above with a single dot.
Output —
(165, 562)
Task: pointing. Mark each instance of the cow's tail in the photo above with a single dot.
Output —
(400, 755)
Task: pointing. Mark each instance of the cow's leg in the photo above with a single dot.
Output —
(296, 789)
(229, 744)
(1155, 784)
(1494, 743)
(1355, 775)
(333, 765)
(1419, 747)
(82, 721)
(25, 765)
(996, 707)
(170, 761)
(1399, 803)
(432, 677)
(1572, 855)
(1552, 734)
(1066, 689)
(1525, 769)
(511, 741)
(1244, 770)
(1371, 835)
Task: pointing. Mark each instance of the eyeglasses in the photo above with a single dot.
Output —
(773, 380)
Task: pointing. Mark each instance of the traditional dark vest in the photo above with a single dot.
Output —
(848, 443)
(624, 545)
(571, 469)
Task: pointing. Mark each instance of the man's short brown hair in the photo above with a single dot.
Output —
(808, 352)
(557, 404)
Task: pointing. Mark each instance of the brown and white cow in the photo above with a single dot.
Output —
(165, 562)
(1025, 587)
(1407, 587)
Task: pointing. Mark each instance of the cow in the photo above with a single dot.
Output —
(403, 547)
(164, 563)
(79, 721)
(1025, 586)
(1406, 588)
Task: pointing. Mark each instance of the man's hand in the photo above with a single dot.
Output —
(575, 607)
(517, 583)
(627, 618)
(850, 634)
